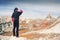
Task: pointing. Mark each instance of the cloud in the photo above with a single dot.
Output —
(31, 10)
(37, 11)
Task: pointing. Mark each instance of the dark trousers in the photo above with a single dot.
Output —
(16, 28)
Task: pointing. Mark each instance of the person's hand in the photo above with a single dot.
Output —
(21, 11)
(12, 19)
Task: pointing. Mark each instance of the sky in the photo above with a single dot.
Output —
(31, 8)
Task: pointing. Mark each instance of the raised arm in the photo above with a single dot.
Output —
(20, 12)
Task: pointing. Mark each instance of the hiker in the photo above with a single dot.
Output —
(15, 19)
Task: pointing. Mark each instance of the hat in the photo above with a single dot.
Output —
(15, 9)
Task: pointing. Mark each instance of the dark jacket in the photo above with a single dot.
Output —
(16, 15)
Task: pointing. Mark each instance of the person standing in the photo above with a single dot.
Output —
(15, 19)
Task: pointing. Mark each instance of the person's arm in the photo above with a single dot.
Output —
(20, 12)
(12, 17)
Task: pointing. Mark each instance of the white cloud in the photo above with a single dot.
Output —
(34, 10)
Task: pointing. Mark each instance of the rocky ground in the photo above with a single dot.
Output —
(35, 36)
(47, 34)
